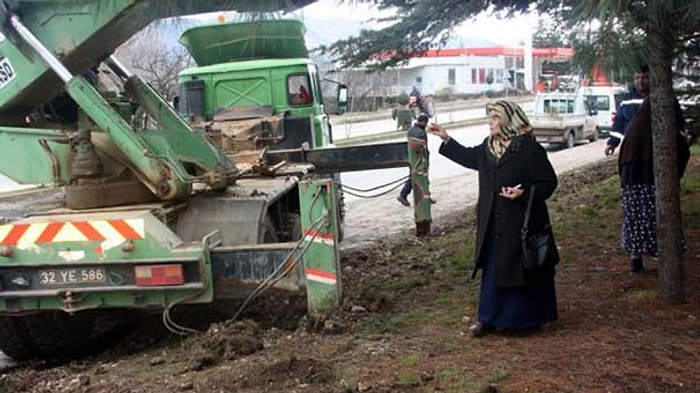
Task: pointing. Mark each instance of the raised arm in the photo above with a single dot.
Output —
(465, 156)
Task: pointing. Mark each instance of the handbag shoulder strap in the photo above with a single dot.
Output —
(526, 220)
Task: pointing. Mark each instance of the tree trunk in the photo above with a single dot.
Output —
(671, 287)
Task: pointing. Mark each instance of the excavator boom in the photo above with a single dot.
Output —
(49, 47)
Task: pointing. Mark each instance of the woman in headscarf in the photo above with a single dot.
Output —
(511, 165)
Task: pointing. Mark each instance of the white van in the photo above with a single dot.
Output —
(605, 100)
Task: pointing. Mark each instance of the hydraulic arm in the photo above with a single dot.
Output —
(47, 47)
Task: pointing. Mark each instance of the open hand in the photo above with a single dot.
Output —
(437, 130)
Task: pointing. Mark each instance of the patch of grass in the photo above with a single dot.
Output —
(444, 300)
(462, 260)
(453, 305)
(380, 323)
(408, 378)
(419, 316)
(410, 360)
(689, 186)
(456, 381)
(403, 284)
(442, 344)
(498, 376)
(342, 374)
(641, 295)
(393, 323)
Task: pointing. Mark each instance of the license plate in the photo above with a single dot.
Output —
(71, 276)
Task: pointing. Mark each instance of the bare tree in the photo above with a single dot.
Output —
(156, 60)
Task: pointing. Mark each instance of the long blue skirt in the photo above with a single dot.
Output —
(523, 307)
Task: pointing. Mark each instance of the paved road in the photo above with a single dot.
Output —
(360, 125)
(370, 220)
(440, 167)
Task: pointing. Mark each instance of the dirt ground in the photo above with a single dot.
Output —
(403, 323)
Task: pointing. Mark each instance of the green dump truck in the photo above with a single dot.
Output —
(142, 207)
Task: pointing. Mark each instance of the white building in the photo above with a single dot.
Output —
(456, 71)
(463, 74)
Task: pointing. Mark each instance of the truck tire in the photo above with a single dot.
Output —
(12, 339)
(570, 139)
(47, 335)
(595, 135)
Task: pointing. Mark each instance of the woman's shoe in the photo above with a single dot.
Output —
(479, 330)
(636, 266)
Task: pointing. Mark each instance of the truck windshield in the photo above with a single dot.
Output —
(601, 103)
(299, 90)
(559, 106)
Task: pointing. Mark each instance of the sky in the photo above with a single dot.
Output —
(328, 21)
(504, 31)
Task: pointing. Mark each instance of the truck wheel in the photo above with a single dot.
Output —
(46, 335)
(12, 340)
(570, 140)
(595, 135)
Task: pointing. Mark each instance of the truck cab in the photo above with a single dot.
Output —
(239, 91)
(254, 87)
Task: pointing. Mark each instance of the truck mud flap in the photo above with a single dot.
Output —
(237, 271)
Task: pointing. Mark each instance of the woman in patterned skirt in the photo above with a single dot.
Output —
(636, 168)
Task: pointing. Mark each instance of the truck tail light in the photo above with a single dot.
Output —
(613, 117)
(157, 275)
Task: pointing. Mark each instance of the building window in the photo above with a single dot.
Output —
(451, 76)
(419, 80)
(473, 75)
(482, 75)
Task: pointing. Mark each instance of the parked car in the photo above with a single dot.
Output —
(563, 118)
(605, 100)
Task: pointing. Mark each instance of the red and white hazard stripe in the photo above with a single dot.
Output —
(319, 237)
(321, 276)
(24, 234)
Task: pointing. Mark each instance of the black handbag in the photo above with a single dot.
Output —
(538, 249)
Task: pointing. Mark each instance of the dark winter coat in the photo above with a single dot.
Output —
(636, 159)
(524, 162)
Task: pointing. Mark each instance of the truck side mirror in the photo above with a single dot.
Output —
(342, 101)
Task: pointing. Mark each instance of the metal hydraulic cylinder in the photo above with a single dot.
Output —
(321, 259)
